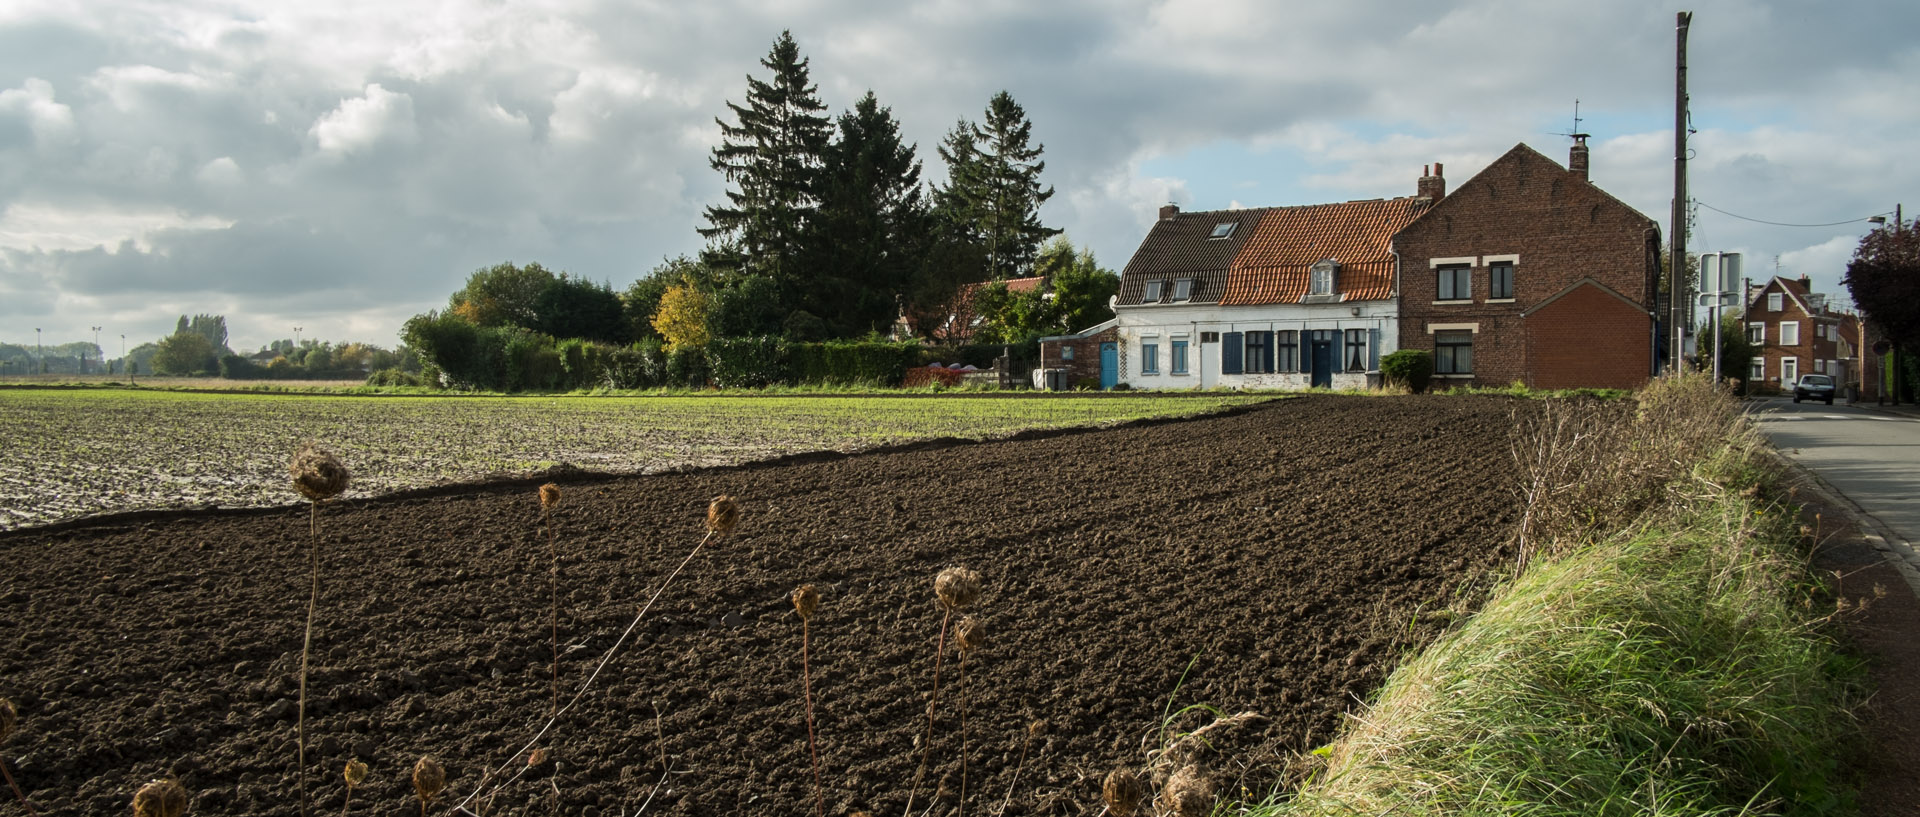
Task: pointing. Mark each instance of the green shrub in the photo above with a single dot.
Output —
(747, 363)
(686, 368)
(1412, 368)
(235, 367)
(851, 363)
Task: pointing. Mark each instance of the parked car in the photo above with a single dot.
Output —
(1814, 387)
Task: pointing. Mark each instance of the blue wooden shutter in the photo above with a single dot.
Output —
(1266, 352)
(1373, 350)
(1230, 350)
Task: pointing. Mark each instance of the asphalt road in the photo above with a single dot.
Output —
(1873, 457)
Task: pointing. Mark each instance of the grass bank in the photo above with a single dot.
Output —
(1665, 652)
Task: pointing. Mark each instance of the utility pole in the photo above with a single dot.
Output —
(1681, 302)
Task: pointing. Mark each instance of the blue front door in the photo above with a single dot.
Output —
(1322, 364)
(1109, 365)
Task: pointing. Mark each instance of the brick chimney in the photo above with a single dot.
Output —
(1169, 210)
(1432, 186)
(1577, 157)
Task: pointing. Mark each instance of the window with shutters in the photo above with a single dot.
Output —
(1789, 333)
(1233, 347)
(1149, 357)
(1356, 355)
(1288, 344)
(1259, 351)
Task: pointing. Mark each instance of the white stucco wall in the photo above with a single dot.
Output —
(1161, 324)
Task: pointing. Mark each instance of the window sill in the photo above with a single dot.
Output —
(1453, 302)
(1467, 376)
(1499, 300)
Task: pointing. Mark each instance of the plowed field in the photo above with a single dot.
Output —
(1280, 558)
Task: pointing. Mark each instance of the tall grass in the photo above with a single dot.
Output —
(1672, 661)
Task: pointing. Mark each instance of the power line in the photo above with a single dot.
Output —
(1782, 224)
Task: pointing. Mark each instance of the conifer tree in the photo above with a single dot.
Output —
(772, 156)
(993, 191)
(872, 223)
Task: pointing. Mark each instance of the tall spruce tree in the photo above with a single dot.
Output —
(773, 158)
(871, 230)
(993, 191)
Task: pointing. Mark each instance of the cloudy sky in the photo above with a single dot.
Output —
(340, 166)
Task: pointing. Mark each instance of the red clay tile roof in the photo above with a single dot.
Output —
(1273, 267)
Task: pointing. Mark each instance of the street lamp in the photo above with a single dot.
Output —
(96, 342)
(38, 351)
(296, 337)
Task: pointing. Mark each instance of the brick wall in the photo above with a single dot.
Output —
(1563, 229)
(1086, 355)
(1811, 346)
(1563, 352)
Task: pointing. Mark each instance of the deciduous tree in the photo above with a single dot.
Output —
(682, 317)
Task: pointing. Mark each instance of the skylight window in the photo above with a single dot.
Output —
(1223, 229)
(1152, 294)
(1183, 289)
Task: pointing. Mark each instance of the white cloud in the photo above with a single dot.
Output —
(50, 121)
(360, 123)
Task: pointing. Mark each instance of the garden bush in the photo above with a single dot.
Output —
(1412, 368)
(747, 363)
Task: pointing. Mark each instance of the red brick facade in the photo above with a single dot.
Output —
(1585, 269)
(1783, 310)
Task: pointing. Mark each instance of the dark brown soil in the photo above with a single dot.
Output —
(1291, 553)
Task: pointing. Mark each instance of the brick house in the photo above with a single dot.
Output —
(1529, 273)
(1795, 333)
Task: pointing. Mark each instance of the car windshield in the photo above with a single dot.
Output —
(1816, 380)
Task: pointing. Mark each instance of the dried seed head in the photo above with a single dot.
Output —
(805, 601)
(723, 514)
(356, 772)
(317, 473)
(537, 756)
(970, 635)
(9, 719)
(428, 779)
(957, 588)
(160, 798)
(1123, 792)
(1036, 729)
(549, 496)
(1188, 794)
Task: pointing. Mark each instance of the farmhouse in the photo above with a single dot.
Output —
(1275, 297)
(1528, 273)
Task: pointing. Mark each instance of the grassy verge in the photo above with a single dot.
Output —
(1674, 662)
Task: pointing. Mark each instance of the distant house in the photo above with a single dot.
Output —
(959, 322)
(1794, 333)
(1528, 273)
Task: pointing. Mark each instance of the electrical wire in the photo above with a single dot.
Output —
(1783, 224)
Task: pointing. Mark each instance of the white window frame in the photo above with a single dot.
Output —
(1182, 289)
(1153, 292)
(1776, 302)
(1757, 370)
(1789, 333)
(1320, 279)
(1789, 370)
(1757, 334)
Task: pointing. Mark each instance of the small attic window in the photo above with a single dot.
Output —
(1182, 289)
(1223, 229)
(1152, 295)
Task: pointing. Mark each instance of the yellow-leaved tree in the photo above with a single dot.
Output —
(682, 318)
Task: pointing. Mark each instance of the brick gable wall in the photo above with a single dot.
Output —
(1811, 347)
(1563, 230)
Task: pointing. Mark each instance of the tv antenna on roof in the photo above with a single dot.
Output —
(1576, 133)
